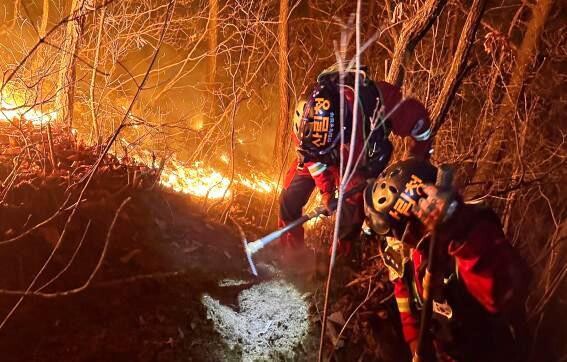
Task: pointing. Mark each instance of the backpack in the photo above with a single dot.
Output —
(379, 148)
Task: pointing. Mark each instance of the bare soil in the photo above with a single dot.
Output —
(146, 302)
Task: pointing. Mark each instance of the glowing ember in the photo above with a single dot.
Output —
(313, 203)
(313, 222)
(197, 122)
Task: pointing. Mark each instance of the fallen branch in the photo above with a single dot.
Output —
(86, 283)
(360, 279)
(71, 260)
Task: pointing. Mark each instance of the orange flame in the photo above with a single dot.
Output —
(196, 180)
(13, 107)
(204, 181)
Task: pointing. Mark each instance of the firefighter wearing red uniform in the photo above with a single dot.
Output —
(478, 305)
(316, 135)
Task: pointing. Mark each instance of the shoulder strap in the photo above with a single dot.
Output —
(368, 92)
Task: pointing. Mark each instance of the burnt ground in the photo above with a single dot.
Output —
(146, 302)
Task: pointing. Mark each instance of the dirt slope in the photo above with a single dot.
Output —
(147, 302)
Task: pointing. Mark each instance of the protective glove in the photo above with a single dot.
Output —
(329, 203)
(367, 229)
(436, 208)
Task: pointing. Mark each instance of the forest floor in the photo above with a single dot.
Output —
(178, 289)
(169, 283)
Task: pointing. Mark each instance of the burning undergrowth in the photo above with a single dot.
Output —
(60, 191)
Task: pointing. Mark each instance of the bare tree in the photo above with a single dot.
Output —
(507, 110)
(92, 87)
(213, 39)
(283, 90)
(458, 67)
(44, 18)
(412, 32)
(67, 70)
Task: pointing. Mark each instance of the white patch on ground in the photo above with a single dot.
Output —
(272, 321)
(231, 282)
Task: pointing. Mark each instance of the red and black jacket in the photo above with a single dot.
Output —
(405, 118)
(486, 286)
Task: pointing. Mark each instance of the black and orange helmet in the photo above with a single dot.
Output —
(390, 200)
(319, 131)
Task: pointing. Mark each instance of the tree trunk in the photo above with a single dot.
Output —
(459, 64)
(44, 18)
(92, 87)
(507, 110)
(67, 67)
(412, 32)
(283, 90)
(516, 176)
(213, 39)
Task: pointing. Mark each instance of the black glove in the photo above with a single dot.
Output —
(329, 202)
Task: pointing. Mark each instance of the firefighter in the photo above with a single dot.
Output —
(317, 137)
(478, 301)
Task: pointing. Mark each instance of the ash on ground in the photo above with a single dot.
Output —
(271, 322)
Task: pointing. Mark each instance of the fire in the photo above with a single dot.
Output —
(310, 224)
(197, 122)
(225, 159)
(196, 180)
(258, 184)
(204, 181)
(14, 107)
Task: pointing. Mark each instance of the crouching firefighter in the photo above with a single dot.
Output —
(478, 287)
(317, 136)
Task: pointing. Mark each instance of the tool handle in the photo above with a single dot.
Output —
(321, 210)
(424, 345)
(443, 184)
(445, 177)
